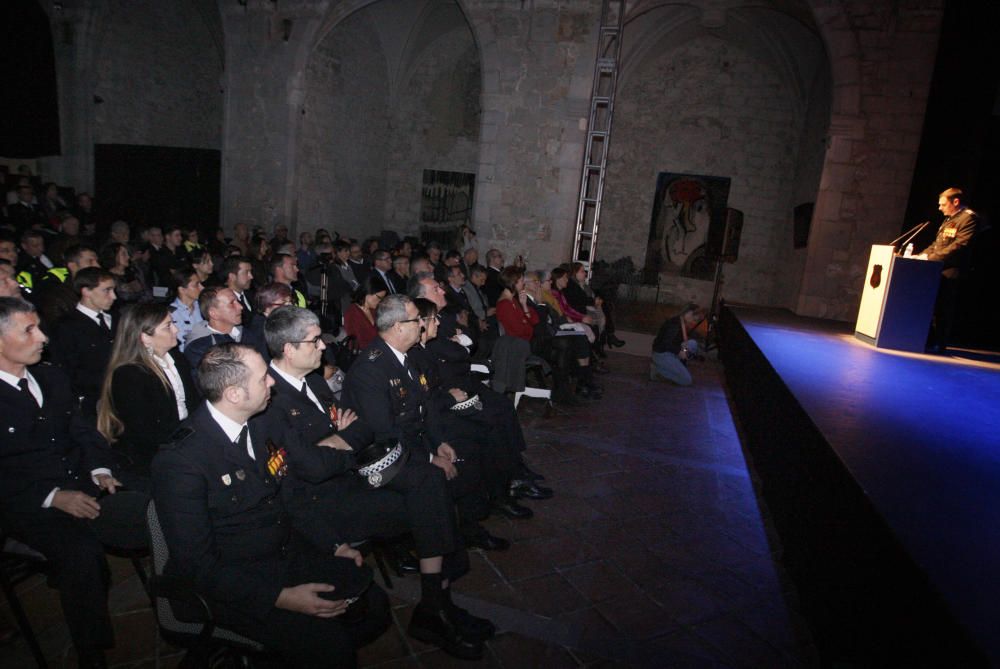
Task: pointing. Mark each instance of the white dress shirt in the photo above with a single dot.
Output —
(231, 428)
(297, 384)
(92, 315)
(169, 368)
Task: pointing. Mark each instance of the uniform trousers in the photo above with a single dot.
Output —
(77, 568)
(308, 641)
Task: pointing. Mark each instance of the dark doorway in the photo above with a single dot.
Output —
(158, 185)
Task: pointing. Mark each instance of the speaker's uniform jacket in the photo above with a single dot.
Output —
(951, 245)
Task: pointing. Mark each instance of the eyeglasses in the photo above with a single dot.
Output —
(411, 320)
(314, 341)
(435, 318)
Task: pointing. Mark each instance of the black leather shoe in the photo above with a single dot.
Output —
(474, 627)
(404, 563)
(510, 508)
(615, 341)
(589, 392)
(443, 630)
(529, 474)
(521, 489)
(483, 540)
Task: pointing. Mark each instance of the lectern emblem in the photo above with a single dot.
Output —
(876, 279)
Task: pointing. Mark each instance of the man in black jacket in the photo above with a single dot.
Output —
(53, 466)
(951, 246)
(337, 505)
(217, 489)
(81, 343)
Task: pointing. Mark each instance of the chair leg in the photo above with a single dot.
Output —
(22, 620)
(378, 552)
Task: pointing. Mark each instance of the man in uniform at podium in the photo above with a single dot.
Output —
(951, 247)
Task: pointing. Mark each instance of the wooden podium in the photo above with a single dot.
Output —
(897, 301)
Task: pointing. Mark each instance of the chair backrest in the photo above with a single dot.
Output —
(157, 542)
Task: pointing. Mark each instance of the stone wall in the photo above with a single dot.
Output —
(158, 75)
(538, 62)
(882, 56)
(345, 132)
(434, 124)
(708, 107)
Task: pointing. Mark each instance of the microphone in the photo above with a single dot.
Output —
(914, 230)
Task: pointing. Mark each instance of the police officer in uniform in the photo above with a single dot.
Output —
(217, 494)
(387, 391)
(950, 247)
(330, 504)
(53, 467)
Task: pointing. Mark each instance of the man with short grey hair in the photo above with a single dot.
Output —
(330, 505)
(220, 497)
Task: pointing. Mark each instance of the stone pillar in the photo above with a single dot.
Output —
(267, 45)
(537, 63)
(882, 59)
(74, 31)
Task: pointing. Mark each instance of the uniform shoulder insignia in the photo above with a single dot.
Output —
(178, 437)
(374, 354)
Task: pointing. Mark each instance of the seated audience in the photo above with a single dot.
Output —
(130, 286)
(54, 295)
(82, 339)
(186, 311)
(331, 505)
(53, 467)
(223, 318)
(218, 494)
(359, 321)
(148, 389)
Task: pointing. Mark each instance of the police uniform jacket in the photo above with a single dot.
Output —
(951, 245)
(221, 513)
(45, 447)
(83, 349)
(390, 398)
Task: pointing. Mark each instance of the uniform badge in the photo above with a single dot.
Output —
(294, 412)
(333, 414)
(276, 464)
(395, 382)
(375, 479)
(227, 479)
(240, 474)
(374, 354)
(423, 381)
(950, 232)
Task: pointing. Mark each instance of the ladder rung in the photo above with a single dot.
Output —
(590, 200)
(598, 133)
(593, 168)
(602, 100)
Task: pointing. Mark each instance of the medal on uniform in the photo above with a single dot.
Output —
(227, 479)
(276, 464)
(240, 474)
(294, 412)
(333, 413)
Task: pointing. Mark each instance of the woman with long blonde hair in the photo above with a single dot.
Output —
(148, 389)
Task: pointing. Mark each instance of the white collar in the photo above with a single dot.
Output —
(399, 356)
(292, 381)
(13, 380)
(228, 425)
(93, 315)
(234, 333)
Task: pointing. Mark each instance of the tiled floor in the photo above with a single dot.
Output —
(652, 554)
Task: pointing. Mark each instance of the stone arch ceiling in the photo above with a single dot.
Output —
(406, 28)
(781, 34)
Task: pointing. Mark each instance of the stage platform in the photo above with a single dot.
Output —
(882, 470)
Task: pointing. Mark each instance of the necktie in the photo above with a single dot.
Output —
(304, 390)
(409, 367)
(103, 323)
(23, 385)
(388, 284)
(244, 302)
(241, 443)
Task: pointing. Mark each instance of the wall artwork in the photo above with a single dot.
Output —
(684, 207)
(446, 198)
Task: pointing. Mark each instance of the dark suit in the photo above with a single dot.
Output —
(248, 314)
(951, 246)
(43, 449)
(399, 283)
(228, 531)
(195, 350)
(330, 504)
(492, 288)
(83, 349)
(393, 400)
(361, 269)
(148, 410)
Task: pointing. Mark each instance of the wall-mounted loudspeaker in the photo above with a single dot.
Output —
(723, 241)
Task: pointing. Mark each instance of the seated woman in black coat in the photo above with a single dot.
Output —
(148, 389)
